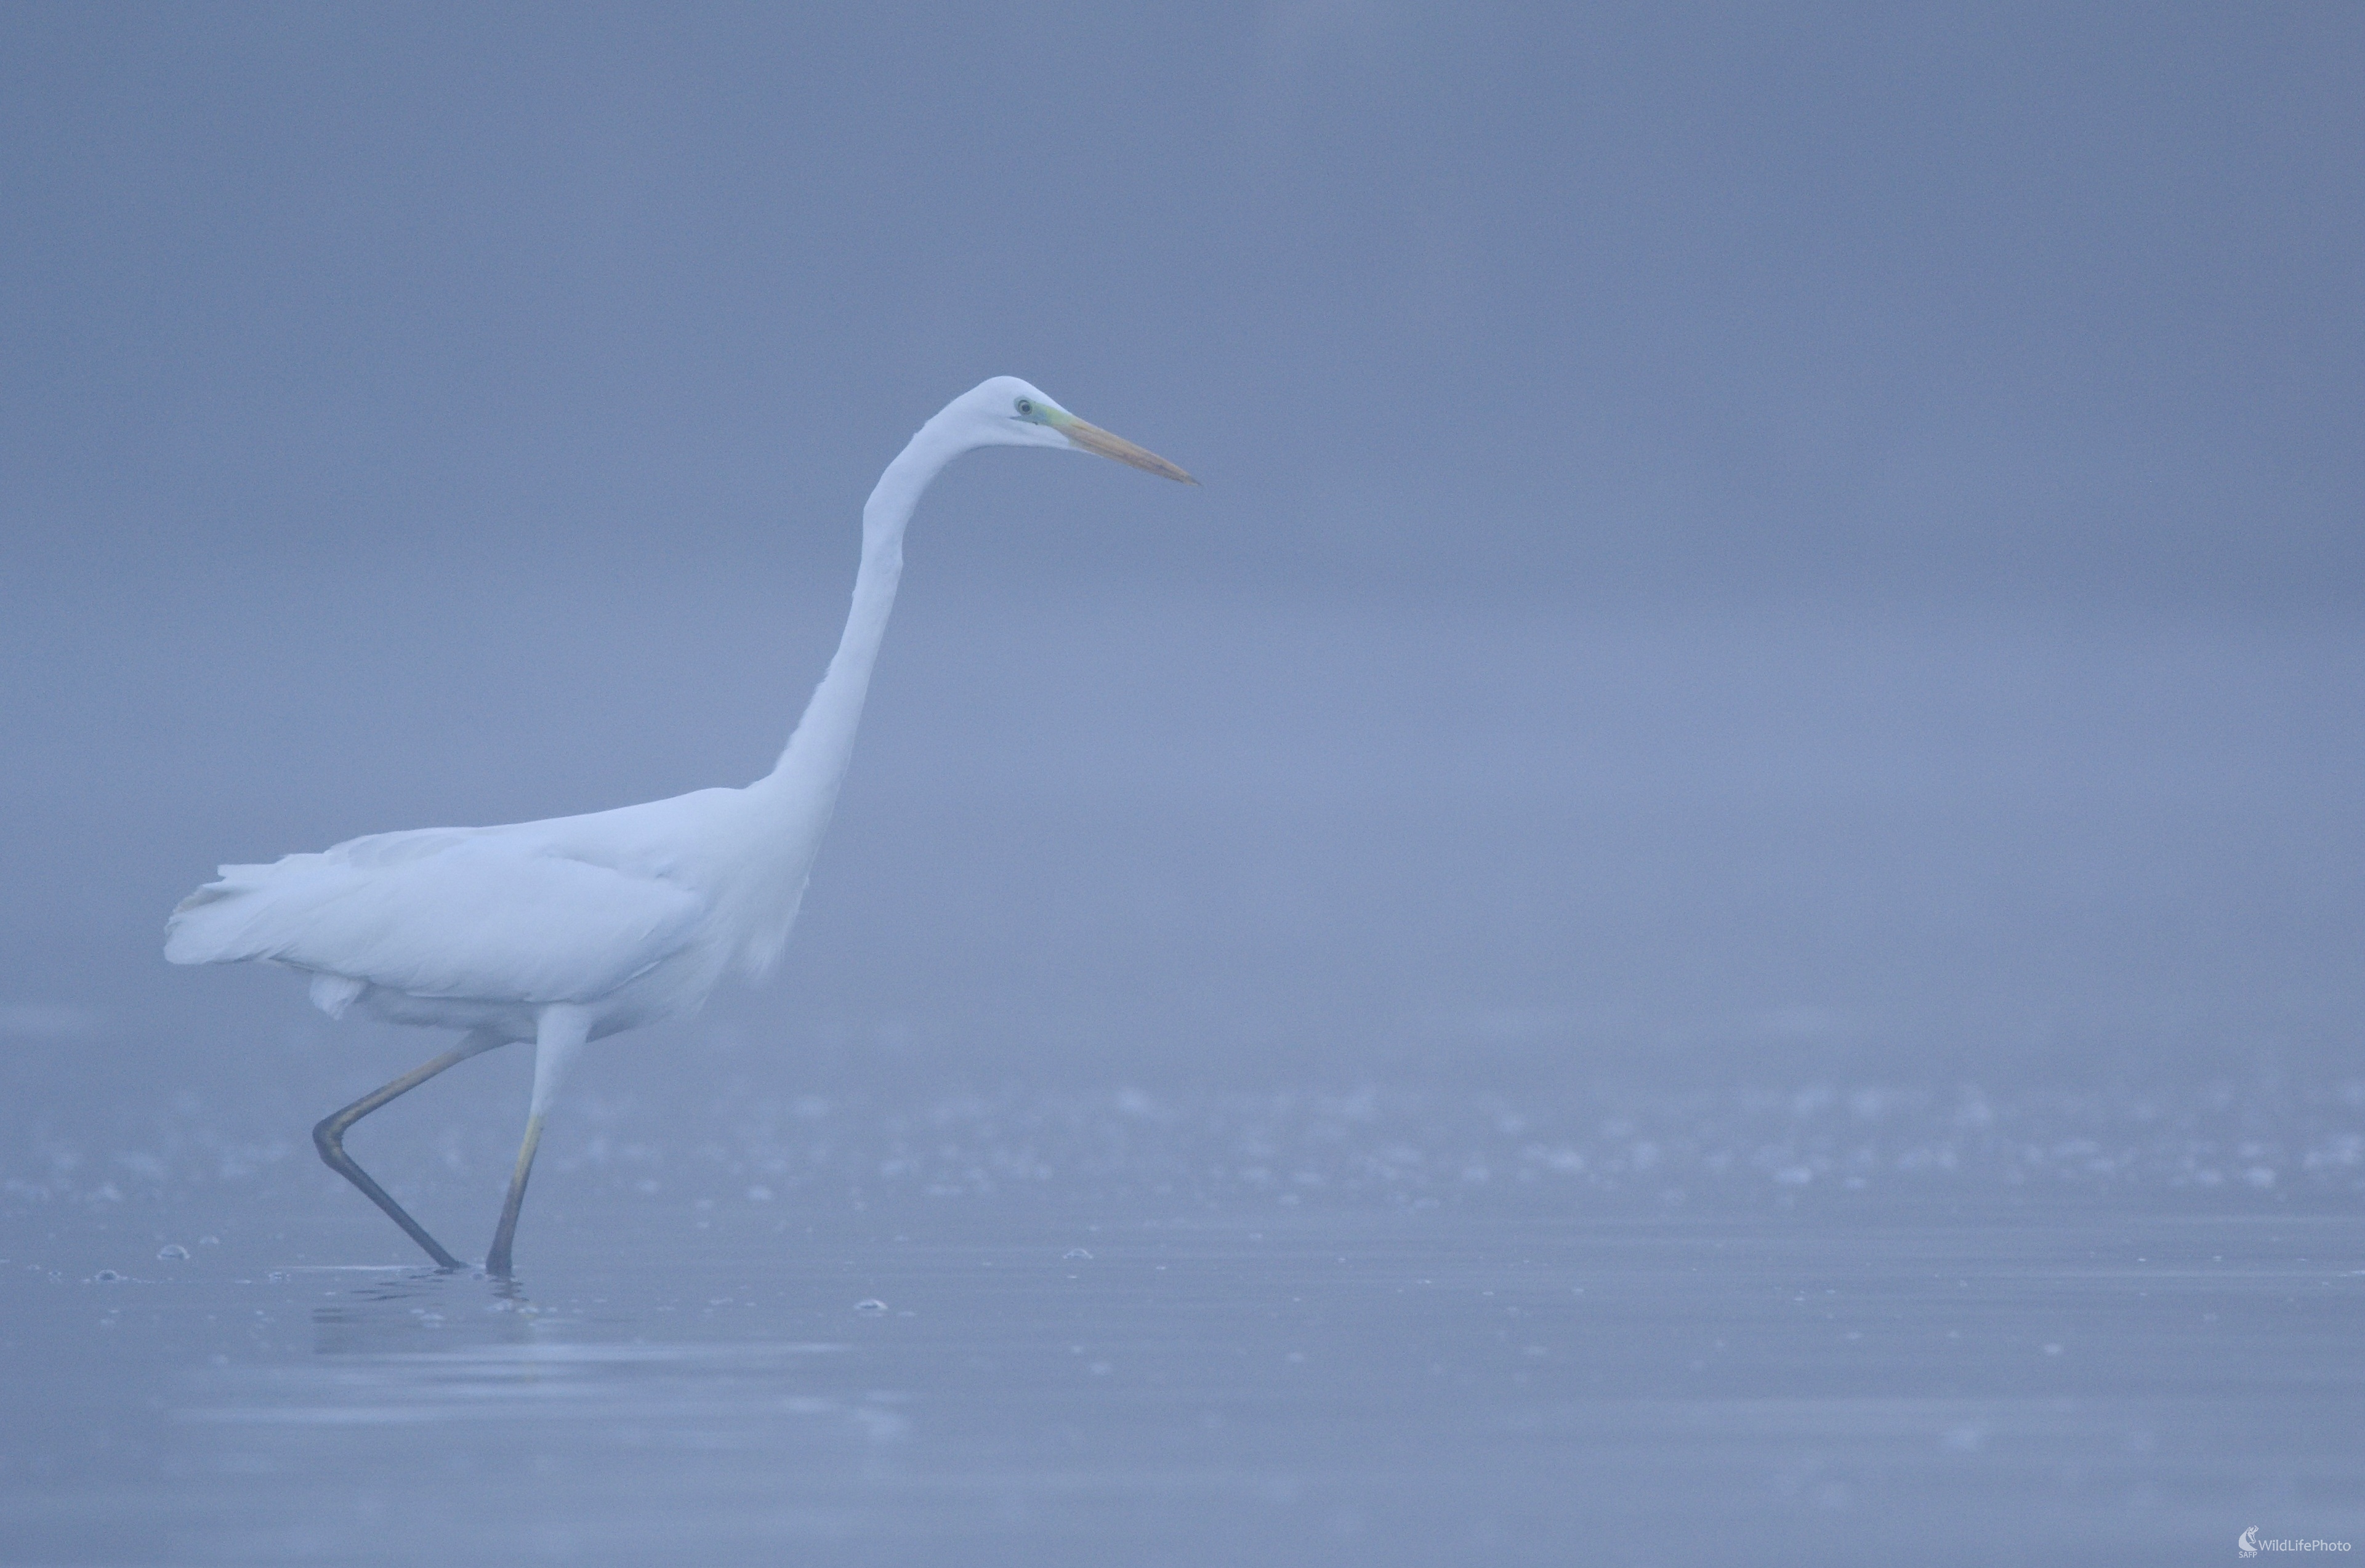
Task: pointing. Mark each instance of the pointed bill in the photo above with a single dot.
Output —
(1092, 438)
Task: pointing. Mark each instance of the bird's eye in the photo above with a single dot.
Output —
(1026, 406)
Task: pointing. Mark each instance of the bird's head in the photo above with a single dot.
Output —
(1006, 411)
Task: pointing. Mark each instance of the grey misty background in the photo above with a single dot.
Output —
(1740, 544)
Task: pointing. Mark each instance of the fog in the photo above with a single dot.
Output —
(1777, 587)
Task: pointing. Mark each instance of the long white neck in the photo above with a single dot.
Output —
(792, 803)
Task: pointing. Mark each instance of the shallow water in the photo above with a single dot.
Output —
(1832, 1325)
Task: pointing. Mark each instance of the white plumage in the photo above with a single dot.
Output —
(575, 927)
(537, 913)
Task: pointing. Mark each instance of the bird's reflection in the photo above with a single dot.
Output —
(433, 1344)
(428, 1312)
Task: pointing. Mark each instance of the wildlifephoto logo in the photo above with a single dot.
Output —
(2251, 1545)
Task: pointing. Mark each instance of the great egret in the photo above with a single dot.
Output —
(562, 931)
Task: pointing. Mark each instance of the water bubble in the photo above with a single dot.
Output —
(173, 1253)
(209, 1241)
(1074, 1254)
(277, 1276)
(107, 1277)
(872, 1308)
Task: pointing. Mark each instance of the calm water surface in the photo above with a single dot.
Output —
(1277, 1328)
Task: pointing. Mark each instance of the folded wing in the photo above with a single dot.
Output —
(457, 912)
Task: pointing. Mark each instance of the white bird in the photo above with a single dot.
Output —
(562, 931)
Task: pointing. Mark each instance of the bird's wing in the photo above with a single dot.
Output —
(466, 912)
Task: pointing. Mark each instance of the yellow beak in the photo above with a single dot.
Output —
(1092, 438)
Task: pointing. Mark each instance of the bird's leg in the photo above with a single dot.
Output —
(559, 1034)
(329, 1138)
(497, 1261)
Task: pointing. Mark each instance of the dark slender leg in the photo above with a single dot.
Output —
(559, 1032)
(329, 1138)
(496, 1263)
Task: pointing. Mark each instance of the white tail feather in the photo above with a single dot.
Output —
(333, 993)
